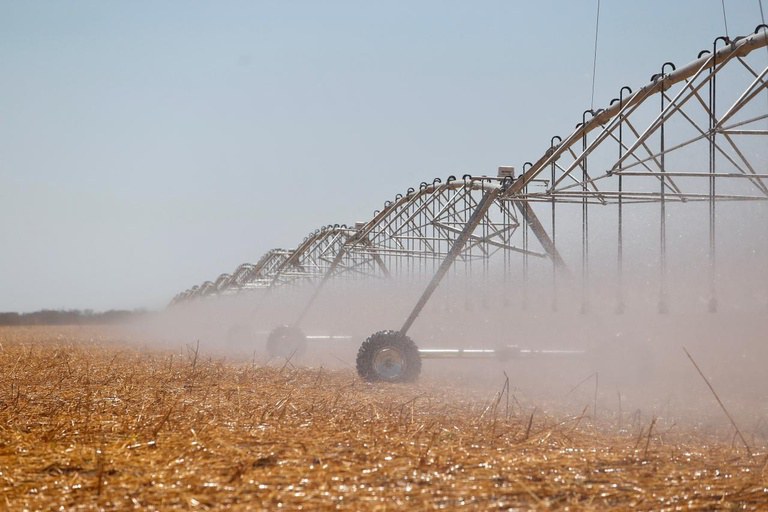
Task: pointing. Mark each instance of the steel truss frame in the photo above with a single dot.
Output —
(409, 236)
(687, 136)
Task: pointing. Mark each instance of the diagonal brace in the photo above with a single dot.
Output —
(479, 213)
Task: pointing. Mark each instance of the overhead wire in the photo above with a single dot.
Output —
(725, 19)
(594, 58)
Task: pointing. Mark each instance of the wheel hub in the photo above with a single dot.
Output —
(389, 363)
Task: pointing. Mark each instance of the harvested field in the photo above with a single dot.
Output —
(90, 421)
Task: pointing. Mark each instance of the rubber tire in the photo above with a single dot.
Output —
(286, 341)
(392, 340)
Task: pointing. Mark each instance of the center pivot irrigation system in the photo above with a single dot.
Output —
(696, 134)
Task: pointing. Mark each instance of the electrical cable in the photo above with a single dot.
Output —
(594, 58)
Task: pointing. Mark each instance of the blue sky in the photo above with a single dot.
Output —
(148, 146)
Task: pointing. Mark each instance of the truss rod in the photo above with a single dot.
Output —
(485, 203)
(737, 48)
(684, 174)
(541, 234)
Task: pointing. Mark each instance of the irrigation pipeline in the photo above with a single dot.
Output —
(739, 47)
(625, 154)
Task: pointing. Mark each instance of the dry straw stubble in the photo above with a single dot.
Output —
(89, 422)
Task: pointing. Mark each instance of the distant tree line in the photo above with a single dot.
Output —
(70, 317)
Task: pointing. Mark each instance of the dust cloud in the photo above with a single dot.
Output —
(631, 366)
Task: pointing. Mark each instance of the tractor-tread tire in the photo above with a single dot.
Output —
(392, 340)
